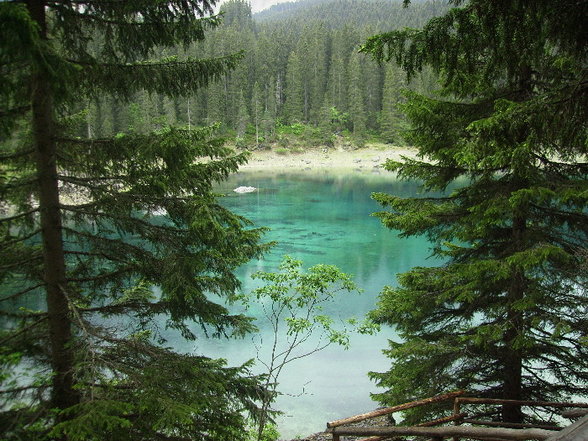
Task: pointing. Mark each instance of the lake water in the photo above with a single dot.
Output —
(321, 219)
(325, 219)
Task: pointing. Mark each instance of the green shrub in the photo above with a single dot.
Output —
(270, 433)
(293, 129)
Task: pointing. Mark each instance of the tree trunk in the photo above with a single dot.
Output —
(513, 361)
(62, 360)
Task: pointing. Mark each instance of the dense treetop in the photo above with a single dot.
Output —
(506, 138)
(103, 237)
(273, 86)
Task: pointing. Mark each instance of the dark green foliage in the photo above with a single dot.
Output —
(506, 139)
(300, 63)
(103, 238)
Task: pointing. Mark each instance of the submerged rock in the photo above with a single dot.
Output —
(244, 189)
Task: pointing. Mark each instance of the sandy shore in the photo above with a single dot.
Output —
(366, 159)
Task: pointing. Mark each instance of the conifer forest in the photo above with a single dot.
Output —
(303, 70)
(120, 118)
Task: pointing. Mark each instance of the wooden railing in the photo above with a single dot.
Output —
(431, 429)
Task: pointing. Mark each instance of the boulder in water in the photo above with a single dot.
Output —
(244, 189)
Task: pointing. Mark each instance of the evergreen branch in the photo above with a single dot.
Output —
(11, 113)
(81, 181)
(123, 7)
(552, 162)
(119, 308)
(22, 331)
(11, 242)
(19, 216)
(20, 263)
(168, 77)
(103, 255)
(20, 293)
(20, 389)
(22, 316)
(130, 247)
(137, 221)
(580, 217)
(82, 141)
(19, 183)
(196, 27)
(102, 276)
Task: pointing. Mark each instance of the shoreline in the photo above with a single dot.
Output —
(318, 160)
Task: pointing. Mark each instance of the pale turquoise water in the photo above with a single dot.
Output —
(325, 219)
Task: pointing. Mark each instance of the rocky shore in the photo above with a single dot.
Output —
(365, 160)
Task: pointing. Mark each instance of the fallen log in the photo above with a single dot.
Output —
(481, 433)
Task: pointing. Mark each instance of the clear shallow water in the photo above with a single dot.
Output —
(324, 219)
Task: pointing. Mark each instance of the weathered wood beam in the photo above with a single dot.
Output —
(512, 425)
(427, 424)
(574, 413)
(447, 419)
(574, 432)
(469, 400)
(481, 433)
(388, 410)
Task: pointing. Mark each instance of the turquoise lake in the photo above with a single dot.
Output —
(324, 219)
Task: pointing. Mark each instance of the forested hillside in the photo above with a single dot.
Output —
(301, 74)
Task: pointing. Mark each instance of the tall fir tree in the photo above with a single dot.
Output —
(104, 238)
(242, 115)
(357, 112)
(392, 121)
(317, 62)
(295, 91)
(506, 138)
(257, 111)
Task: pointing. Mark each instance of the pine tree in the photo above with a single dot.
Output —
(357, 112)
(257, 111)
(90, 227)
(294, 107)
(317, 61)
(392, 122)
(242, 116)
(506, 138)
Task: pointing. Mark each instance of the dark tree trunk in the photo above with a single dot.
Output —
(513, 360)
(63, 394)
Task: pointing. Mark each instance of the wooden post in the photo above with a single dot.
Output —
(456, 411)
